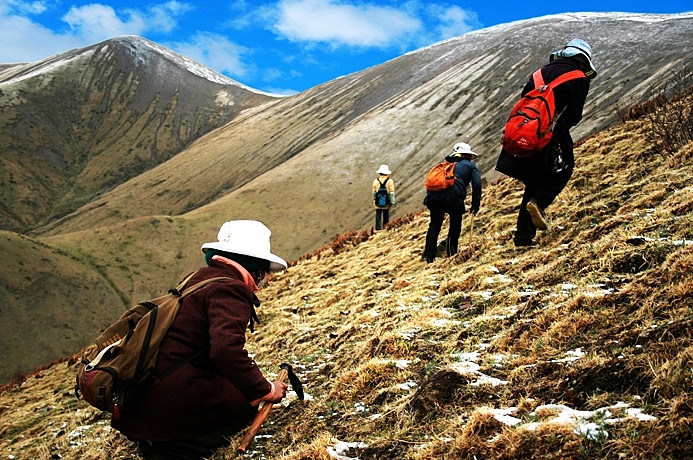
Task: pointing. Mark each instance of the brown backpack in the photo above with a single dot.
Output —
(119, 367)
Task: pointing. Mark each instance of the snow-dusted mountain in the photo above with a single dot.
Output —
(406, 112)
(82, 122)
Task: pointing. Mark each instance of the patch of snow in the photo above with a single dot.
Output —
(486, 295)
(340, 449)
(581, 420)
(471, 356)
(402, 363)
(498, 279)
(571, 356)
(410, 333)
(407, 386)
(503, 416)
(442, 322)
(468, 366)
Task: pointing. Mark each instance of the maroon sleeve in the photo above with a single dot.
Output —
(228, 308)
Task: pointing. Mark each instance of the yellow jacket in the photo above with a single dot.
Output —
(390, 186)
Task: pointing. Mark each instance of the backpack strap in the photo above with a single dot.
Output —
(383, 183)
(178, 289)
(199, 285)
(538, 79)
(185, 360)
(182, 362)
(572, 75)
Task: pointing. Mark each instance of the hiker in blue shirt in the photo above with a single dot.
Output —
(451, 201)
(546, 173)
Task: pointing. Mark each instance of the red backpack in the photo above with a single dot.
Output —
(530, 125)
(440, 177)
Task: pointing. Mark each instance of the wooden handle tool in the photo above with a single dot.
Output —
(259, 418)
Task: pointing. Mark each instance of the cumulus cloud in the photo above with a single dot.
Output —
(21, 6)
(453, 20)
(343, 23)
(24, 40)
(96, 22)
(215, 51)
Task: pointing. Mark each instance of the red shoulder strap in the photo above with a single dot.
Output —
(538, 79)
(572, 75)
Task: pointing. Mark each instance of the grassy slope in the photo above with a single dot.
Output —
(392, 350)
(58, 285)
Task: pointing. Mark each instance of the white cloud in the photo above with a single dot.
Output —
(96, 22)
(24, 40)
(343, 24)
(24, 7)
(453, 20)
(214, 51)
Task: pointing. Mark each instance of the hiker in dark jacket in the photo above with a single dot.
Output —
(451, 201)
(546, 173)
(195, 409)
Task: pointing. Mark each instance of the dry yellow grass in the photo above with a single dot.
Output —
(581, 348)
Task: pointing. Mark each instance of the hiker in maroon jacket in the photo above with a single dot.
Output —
(548, 171)
(195, 409)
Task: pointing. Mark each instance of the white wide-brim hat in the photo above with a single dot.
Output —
(384, 170)
(247, 238)
(573, 48)
(462, 148)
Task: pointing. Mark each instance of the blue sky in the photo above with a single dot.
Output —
(282, 46)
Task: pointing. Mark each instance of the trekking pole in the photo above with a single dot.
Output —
(471, 229)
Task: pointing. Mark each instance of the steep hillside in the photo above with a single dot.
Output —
(79, 123)
(318, 151)
(580, 348)
(290, 162)
(48, 300)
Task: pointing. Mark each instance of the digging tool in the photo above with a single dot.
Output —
(286, 371)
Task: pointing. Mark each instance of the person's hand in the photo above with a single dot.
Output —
(275, 395)
(278, 392)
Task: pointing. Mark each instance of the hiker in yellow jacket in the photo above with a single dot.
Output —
(383, 196)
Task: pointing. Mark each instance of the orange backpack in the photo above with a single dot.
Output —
(530, 125)
(440, 177)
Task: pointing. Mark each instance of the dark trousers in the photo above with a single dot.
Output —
(544, 192)
(437, 216)
(197, 448)
(382, 217)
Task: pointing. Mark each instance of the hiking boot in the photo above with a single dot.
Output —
(538, 216)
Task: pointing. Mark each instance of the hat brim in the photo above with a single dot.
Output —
(276, 262)
(572, 52)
